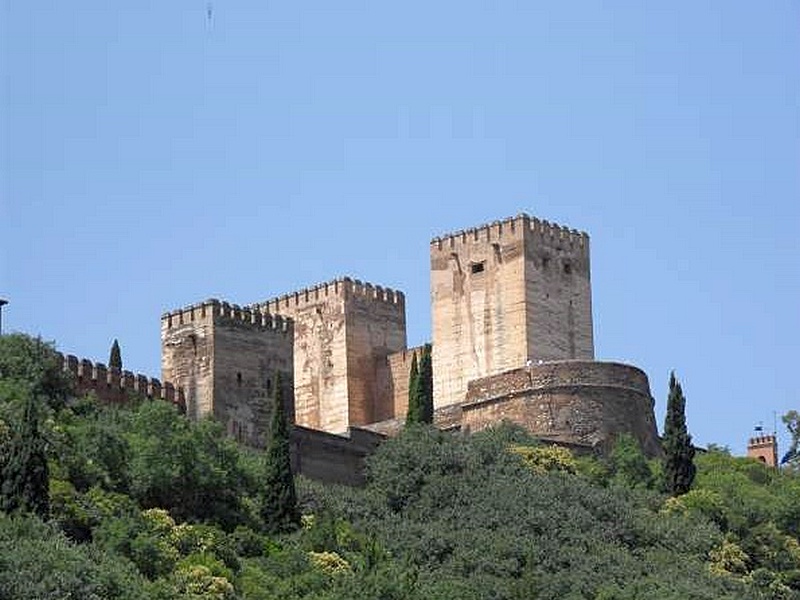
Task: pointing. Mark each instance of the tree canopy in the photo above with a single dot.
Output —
(147, 504)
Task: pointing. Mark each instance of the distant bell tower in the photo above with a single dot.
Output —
(763, 447)
(504, 294)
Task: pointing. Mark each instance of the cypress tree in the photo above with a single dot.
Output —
(25, 477)
(420, 388)
(414, 414)
(279, 502)
(115, 358)
(679, 466)
(425, 386)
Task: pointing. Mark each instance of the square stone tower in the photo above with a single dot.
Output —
(226, 359)
(344, 330)
(506, 293)
(764, 447)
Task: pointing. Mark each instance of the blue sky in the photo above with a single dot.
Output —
(151, 157)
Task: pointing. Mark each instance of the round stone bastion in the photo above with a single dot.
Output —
(574, 402)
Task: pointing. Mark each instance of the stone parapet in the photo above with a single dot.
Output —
(342, 287)
(582, 402)
(509, 228)
(113, 386)
(213, 309)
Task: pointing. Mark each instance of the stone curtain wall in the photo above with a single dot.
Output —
(581, 402)
(114, 386)
(332, 458)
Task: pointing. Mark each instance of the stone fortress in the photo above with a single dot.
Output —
(512, 340)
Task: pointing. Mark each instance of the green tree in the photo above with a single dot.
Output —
(191, 469)
(115, 358)
(414, 414)
(34, 364)
(25, 477)
(426, 384)
(279, 501)
(39, 562)
(792, 421)
(628, 464)
(420, 388)
(679, 469)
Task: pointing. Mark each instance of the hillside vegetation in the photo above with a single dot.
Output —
(144, 504)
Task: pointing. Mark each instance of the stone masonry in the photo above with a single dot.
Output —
(512, 340)
(226, 360)
(580, 402)
(506, 293)
(343, 332)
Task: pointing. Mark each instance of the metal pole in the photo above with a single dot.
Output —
(3, 302)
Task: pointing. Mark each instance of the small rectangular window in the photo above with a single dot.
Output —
(477, 267)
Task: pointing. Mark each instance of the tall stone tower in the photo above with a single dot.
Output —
(506, 293)
(226, 360)
(764, 447)
(344, 331)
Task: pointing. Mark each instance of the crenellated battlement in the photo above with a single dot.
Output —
(511, 228)
(111, 385)
(343, 288)
(762, 440)
(215, 310)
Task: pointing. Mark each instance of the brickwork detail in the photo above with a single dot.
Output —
(764, 448)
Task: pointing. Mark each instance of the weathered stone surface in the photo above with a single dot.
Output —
(332, 458)
(226, 360)
(344, 330)
(584, 402)
(506, 293)
(512, 340)
(393, 374)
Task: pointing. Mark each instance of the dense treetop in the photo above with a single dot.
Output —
(145, 504)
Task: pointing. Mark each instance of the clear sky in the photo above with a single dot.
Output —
(152, 156)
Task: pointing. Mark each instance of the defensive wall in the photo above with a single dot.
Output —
(581, 405)
(315, 454)
(332, 458)
(504, 293)
(227, 358)
(113, 386)
(343, 331)
(512, 338)
(583, 402)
